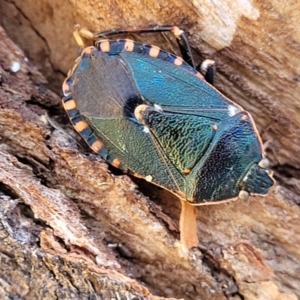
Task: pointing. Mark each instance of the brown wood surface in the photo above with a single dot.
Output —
(71, 228)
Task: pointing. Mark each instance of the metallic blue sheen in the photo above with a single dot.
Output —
(165, 123)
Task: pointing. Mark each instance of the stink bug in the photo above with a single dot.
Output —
(152, 114)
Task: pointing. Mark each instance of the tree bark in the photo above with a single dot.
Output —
(71, 227)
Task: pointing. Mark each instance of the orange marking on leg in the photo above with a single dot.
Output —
(116, 163)
(86, 33)
(178, 61)
(78, 39)
(81, 125)
(176, 31)
(104, 45)
(129, 45)
(154, 51)
(70, 104)
(96, 146)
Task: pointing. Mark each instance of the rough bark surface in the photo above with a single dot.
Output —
(71, 228)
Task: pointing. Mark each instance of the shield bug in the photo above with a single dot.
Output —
(152, 114)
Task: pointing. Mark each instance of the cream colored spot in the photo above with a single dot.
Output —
(80, 126)
(129, 45)
(148, 178)
(154, 51)
(232, 110)
(177, 31)
(178, 61)
(146, 129)
(187, 171)
(96, 146)
(70, 104)
(116, 163)
(105, 45)
(264, 163)
(158, 107)
(139, 110)
(215, 127)
(243, 195)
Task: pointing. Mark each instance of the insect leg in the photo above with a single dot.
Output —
(208, 69)
(80, 34)
(188, 226)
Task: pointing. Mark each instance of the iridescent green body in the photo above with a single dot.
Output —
(156, 117)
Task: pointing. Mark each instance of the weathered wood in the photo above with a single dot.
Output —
(109, 232)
